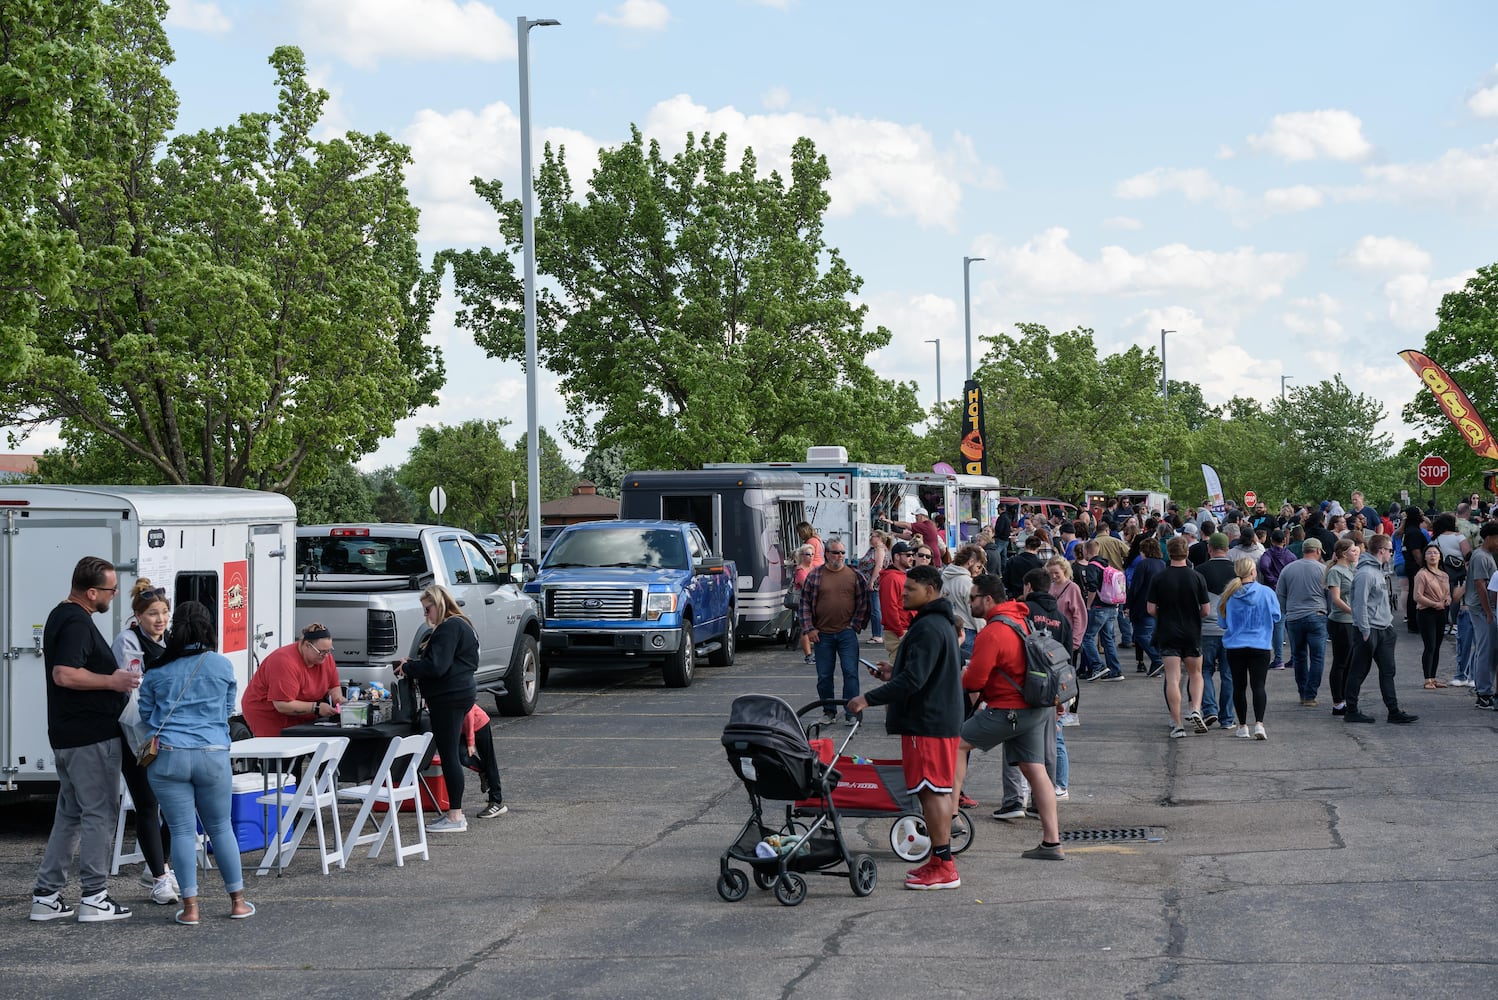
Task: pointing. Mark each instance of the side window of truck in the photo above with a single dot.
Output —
(695, 546)
(483, 569)
(452, 557)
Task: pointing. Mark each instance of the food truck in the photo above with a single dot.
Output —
(225, 548)
(965, 502)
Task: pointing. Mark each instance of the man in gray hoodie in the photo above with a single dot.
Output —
(1373, 632)
(1301, 587)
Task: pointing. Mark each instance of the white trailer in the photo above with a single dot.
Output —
(226, 548)
(966, 502)
(843, 499)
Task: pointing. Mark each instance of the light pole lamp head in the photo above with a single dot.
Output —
(541, 22)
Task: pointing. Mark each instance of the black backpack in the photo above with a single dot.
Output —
(1050, 679)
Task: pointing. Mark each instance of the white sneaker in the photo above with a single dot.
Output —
(1243, 732)
(1062, 794)
(445, 825)
(49, 907)
(165, 890)
(100, 907)
(1259, 733)
(1462, 683)
(1069, 719)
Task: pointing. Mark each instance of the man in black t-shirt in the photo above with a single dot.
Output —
(86, 693)
(1178, 602)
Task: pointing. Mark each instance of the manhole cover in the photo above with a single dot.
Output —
(1146, 834)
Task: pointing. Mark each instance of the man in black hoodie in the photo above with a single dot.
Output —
(923, 692)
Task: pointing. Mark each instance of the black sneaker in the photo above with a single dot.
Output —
(1156, 671)
(1010, 811)
(1487, 703)
(1353, 715)
(1042, 852)
(1110, 676)
(1339, 711)
(1211, 719)
(100, 907)
(1400, 718)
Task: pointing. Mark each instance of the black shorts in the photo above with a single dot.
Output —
(1179, 649)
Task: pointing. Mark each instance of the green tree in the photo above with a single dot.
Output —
(605, 467)
(340, 496)
(393, 502)
(695, 310)
(1465, 343)
(557, 477)
(244, 311)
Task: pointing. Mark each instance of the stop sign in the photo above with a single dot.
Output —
(1250, 498)
(1434, 471)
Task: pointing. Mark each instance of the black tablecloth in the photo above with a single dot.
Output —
(366, 748)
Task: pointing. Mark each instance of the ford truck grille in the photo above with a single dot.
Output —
(593, 604)
(381, 639)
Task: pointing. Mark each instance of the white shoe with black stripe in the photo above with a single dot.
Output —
(50, 907)
(100, 907)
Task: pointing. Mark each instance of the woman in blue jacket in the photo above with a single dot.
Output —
(186, 699)
(1248, 612)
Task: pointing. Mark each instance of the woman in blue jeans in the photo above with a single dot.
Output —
(186, 698)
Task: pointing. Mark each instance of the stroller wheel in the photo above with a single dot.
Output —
(790, 889)
(733, 885)
(765, 879)
(863, 874)
(908, 837)
(962, 832)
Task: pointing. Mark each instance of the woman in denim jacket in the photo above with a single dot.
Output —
(188, 696)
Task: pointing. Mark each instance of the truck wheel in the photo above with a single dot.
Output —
(678, 667)
(523, 681)
(723, 655)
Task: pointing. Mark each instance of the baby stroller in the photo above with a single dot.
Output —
(768, 750)
(877, 788)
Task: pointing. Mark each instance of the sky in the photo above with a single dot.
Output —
(1288, 187)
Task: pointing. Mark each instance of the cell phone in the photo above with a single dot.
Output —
(873, 669)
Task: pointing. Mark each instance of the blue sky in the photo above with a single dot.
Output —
(1291, 187)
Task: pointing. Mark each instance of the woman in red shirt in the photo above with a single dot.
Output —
(297, 683)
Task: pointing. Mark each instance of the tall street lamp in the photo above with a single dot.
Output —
(967, 313)
(1283, 380)
(1165, 397)
(938, 369)
(523, 26)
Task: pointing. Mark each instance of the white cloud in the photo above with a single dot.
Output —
(1204, 351)
(1046, 265)
(449, 150)
(198, 15)
(362, 32)
(913, 319)
(334, 121)
(1484, 103)
(1297, 198)
(1388, 255)
(1195, 184)
(1414, 298)
(1314, 135)
(1127, 222)
(1316, 317)
(637, 15)
(1465, 178)
(776, 99)
(896, 169)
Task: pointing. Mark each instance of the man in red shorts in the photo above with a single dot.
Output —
(924, 698)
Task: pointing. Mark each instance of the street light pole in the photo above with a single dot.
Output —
(1165, 397)
(938, 369)
(1283, 380)
(523, 26)
(967, 313)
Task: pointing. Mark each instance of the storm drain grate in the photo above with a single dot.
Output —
(1141, 834)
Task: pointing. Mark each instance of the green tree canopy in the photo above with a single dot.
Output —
(341, 495)
(695, 310)
(245, 310)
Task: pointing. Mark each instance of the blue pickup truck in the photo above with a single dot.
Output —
(615, 593)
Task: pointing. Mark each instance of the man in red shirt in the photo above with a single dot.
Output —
(995, 676)
(892, 614)
(926, 530)
(297, 683)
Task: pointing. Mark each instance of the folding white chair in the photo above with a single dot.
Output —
(127, 804)
(385, 789)
(317, 791)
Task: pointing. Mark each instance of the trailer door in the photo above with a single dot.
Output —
(267, 597)
(37, 555)
(702, 509)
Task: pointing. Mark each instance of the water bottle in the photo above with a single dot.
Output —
(353, 691)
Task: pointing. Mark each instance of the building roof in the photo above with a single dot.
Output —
(584, 503)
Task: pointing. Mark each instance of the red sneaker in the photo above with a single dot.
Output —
(940, 875)
(966, 801)
(920, 870)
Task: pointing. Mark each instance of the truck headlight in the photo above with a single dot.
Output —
(659, 604)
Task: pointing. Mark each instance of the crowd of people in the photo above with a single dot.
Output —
(162, 685)
(1209, 601)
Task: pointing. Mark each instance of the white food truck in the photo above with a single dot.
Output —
(966, 502)
(226, 548)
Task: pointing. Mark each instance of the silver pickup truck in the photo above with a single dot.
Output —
(364, 582)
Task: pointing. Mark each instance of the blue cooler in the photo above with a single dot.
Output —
(251, 819)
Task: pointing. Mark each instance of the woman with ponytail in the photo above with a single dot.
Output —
(1247, 613)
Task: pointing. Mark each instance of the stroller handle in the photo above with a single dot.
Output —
(824, 704)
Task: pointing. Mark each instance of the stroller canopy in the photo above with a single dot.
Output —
(763, 720)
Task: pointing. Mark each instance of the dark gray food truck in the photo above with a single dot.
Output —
(748, 515)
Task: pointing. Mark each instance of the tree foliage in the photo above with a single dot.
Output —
(340, 496)
(244, 310)
(1465, 343)
(693, 309)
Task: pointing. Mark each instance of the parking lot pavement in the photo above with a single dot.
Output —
(1329, 861)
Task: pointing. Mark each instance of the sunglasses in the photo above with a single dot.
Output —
(923, 555)
(158, 594)
(836, 552)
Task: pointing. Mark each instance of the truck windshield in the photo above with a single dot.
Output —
(648, 547)
(367, 555)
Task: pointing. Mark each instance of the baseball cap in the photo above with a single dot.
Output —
(1190, 528)
(901, 548)
(921, 512)
(1311, 543)
(1219, 540)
